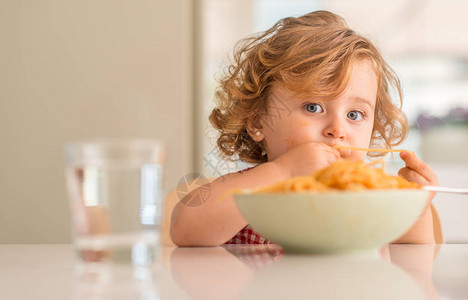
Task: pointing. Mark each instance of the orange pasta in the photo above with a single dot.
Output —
(342, 175)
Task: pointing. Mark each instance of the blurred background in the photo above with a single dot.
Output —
(115, 68)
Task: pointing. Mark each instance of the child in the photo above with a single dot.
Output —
(293, 92)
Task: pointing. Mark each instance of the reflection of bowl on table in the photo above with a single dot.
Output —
(348, 276)
(333, 222)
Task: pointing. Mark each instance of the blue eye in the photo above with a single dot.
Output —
(314, 108)
(355, 115)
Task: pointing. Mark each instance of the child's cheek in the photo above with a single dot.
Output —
(290, 142)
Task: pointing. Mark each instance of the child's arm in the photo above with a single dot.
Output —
(417, 171)
(216, 221)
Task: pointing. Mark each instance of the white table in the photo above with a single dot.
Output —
(242, 272)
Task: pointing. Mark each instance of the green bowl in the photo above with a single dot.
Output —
(334, 222)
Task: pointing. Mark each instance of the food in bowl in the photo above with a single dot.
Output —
(348, 206)
(342, 175)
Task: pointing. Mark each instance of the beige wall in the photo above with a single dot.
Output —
(77, 69)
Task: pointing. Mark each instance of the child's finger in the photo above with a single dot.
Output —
(331, 150)
(332, 155)
(416, 164)
(413, 162)
(343, 152)
(412, 175)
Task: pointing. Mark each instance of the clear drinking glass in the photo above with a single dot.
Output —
(115, 191)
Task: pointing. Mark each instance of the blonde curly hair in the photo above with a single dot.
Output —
(312, 56)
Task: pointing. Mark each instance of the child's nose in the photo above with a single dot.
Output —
(335, 130)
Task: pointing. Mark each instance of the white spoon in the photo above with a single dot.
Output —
(445, 189)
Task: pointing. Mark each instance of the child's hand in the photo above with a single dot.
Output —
(306, 158)
(416, 170)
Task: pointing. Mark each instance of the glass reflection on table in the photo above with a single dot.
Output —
(113, 281)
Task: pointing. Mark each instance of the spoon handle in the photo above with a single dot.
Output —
(445, 189)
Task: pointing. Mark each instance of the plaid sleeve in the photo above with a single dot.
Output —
(247, 236)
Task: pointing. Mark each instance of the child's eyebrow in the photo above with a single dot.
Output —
(363, 100)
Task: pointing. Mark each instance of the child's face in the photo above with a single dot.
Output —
(347, 120)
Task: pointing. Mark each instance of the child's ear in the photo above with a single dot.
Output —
(254, 128)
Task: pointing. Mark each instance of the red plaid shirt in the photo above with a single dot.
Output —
(247, 235)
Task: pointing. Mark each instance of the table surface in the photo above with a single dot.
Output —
(241, 272)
